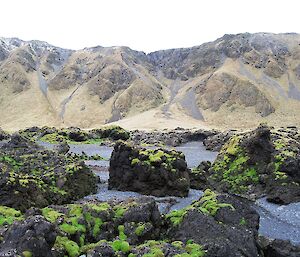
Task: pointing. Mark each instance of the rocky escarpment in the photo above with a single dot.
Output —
(226, 88)
(260, 162)
(33, 176)
(156, 172)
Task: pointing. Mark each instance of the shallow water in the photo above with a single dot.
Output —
(279, 221)
(194, 152)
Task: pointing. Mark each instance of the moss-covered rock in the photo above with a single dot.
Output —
(214, 221)
(75, 135)
(76, 228)
(259, 162)
(156, 172)
(33, 176)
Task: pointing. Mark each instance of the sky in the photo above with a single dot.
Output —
(145, 25)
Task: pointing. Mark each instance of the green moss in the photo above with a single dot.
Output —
(70, 246)
(208, 204)
(122, 234)
(155, 252)
(71, 225)
(9, 215)
(243, 222)
(120, 210)
(279, 144)
(178, 244)
(280, 175)
(120, 245)
(100, 207)
(51, 214)
(176, 217)
(27, 254)
(81, 240)
(140, 229)
(97, 226)
(156, 157)
(193, 250)
(135, 161)
(232, 147)
(235, 171)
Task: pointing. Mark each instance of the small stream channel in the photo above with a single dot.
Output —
(276, 221)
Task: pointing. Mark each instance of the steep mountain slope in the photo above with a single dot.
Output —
(235, 81)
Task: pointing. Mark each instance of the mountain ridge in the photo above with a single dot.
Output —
(249, 78)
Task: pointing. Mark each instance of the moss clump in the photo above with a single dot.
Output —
(193, 250)
(71, 224)
(27, 254)
(140, 229)
(232, 168)
(68, 245)
(161, 248)
(243, 222)
(120, 209)
(98, 223)
(76, 136)
(51, 214)
(100, 207)
(9, 215)
(208, 204)
(176, 217)
(135, 161)
(156, 157)
(120, 245)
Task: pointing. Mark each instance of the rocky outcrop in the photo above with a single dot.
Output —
(75, 135)
(68, 230)
(151, 248)
(34, 236)
(216, 141)
(173, 137)
(278, 248)
(223, 225)
(199, 175)
(3, 135)
(215, 225)
(156, 172)
(260, 162)
(33, 176)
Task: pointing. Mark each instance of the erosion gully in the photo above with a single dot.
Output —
(276, 221)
